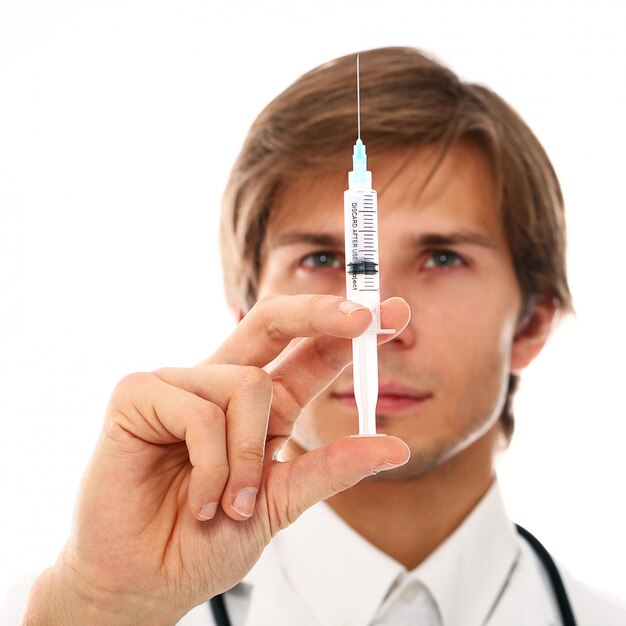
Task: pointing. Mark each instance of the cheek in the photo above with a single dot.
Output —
(331, 281)
(292, 282)
(478, 399)
(469, 365)
(469, 314)
(471, 334)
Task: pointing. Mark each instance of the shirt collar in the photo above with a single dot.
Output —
(342, 578)
(467, 573)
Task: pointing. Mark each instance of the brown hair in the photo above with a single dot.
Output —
(408, 99)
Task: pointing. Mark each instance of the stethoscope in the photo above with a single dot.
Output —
(218, 608)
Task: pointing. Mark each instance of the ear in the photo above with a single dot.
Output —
(236, 311)
(532, 332)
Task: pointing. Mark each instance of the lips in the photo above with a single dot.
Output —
(391, 397)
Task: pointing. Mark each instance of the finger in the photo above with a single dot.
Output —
(294, 486)
(146, 408)
(244, 394)
(314, 363)
(277, 319)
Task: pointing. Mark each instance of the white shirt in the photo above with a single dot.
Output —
(320, 572)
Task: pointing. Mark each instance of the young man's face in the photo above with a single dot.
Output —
(443, 249)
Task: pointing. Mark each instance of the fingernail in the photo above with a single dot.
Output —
(243, 502)
(208, 511)
(385, 466)
(347, 307)
(276, 455)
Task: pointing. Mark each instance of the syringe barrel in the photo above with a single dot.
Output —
(361, 247)
(363, 286)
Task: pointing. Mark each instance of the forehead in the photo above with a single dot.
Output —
(461, 192)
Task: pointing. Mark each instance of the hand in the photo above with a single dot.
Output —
(158, 527)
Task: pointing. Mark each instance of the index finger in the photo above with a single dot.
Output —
(275, 320)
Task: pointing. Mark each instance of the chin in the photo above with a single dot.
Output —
(422, 461)
(429, 451)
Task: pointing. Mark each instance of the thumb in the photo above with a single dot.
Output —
(326, 471)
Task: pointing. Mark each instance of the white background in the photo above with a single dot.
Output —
(119, 122)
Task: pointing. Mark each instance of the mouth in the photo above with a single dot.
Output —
(391, 398)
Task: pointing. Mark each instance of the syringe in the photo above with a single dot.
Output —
(360, 205)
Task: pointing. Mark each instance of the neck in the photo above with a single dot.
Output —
(408, 518)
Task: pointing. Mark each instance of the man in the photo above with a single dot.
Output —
(197, 469)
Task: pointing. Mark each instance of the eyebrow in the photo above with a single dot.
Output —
(449, 239)
(423, 240)
(318, 239)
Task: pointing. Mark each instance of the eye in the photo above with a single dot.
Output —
(443, 258)
(324, 259)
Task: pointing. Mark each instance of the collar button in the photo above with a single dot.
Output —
(409, 593)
